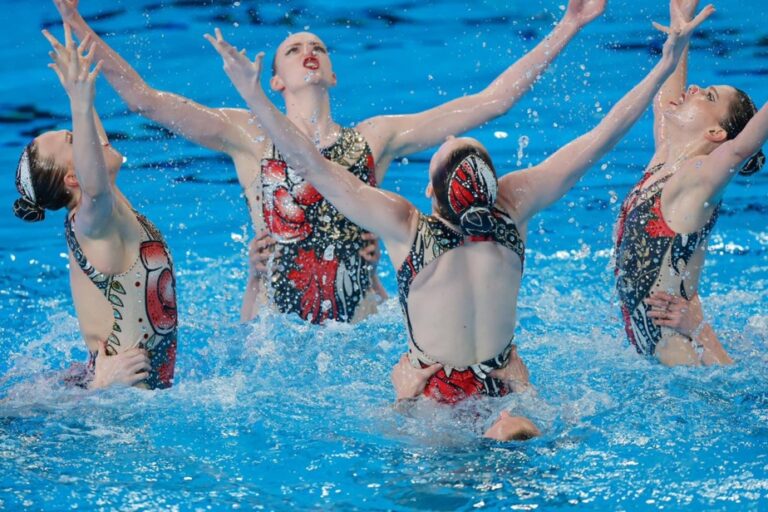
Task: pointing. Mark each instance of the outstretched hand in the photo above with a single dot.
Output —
(584, 11)
(680, 30)
(243, 72)
(67, 9)
(73, 67)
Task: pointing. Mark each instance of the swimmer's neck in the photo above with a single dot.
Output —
(680, 149)
(310, 110)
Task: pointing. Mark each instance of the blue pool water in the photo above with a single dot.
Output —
(278, 415)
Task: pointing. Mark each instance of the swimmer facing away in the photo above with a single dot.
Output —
(704, 137)
(326, 268)
(459, 268)
(120, 268)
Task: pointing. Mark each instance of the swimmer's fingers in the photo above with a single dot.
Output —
(699, 19)
(93, 74)
(134, 379)
(57, 46)
(56, 70)
(85, 43)
(427, 372)
(69, 43)
(668, 297)
(368, 236)
(660, 27)
(370, 253)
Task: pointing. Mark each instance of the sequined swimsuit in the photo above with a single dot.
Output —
(320, 274)
(143, 300)
(651, 256)
(433, 239)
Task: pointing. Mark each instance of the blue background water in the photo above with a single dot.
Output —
(280, 415)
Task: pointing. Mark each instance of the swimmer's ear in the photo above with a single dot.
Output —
(276, 83)
(429, 192)
(70, 180)
(717, 134)
(334, 81)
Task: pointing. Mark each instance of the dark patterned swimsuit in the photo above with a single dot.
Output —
(320, 274)
(143, 300)
(651, 256)
(433, 239)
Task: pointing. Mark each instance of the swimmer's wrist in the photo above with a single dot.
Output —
(696, 332)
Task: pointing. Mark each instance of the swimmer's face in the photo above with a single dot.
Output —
(57, 146)
(700, 110)
(301, 60)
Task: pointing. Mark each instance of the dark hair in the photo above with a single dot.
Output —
(741, 110)
(464, 197)
(47, 182)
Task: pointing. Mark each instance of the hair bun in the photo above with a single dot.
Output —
(476, 221)
(27, 210)
(754, 164)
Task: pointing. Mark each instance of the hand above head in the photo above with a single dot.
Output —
(683, 316)
(680, 31)
(67, 9)
(73, 68)
(681, 11)
(243, 72)
(126, 368)
(409, 382)
(582, 12)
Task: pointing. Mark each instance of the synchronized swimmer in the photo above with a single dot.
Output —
(321, 211)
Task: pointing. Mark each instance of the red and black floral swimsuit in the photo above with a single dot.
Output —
(143, 300)
(320, 274)
(651, 256)
(432, 240)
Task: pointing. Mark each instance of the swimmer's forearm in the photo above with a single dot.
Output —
(714, 353)
(517, 80)
(205, 126)
(90, 167)
(630, 108)
(754, 135)
(120, 75)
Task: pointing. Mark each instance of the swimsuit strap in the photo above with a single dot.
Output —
(433, 239)
(103, 281)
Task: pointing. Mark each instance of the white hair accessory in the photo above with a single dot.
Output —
(24, 178)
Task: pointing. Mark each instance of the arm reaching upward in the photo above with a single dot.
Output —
(680, 12)
(97, 207)
(402, 135)
(716, 170)
(218, 129)
(549, 181)
(384, 213)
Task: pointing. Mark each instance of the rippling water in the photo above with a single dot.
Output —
(280, 415)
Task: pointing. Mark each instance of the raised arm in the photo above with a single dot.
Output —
(97, 206)
(549, 181)
(218, 129)
(680, 12)
(715, 171)
(383, 213)
(401, 135)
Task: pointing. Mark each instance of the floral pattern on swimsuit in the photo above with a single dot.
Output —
(645, 247)
(320, 274)
(143, 300)
(433, 239)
